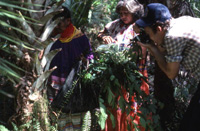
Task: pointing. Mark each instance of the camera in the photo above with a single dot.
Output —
(142, 37)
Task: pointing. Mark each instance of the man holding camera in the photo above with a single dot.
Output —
(180, 38)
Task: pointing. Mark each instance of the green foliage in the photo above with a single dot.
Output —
(24, 126)
(91, 16)
(113, 71)
(21, 39)
(195, 4)
(8, 68)
(80, 10)
(98, 12)
(12, 4)
(25, 29)
(3, 128)
(67, 96)
(18, 36)
(184, 87)
(86, 122)
(102, 115)
(34, 124)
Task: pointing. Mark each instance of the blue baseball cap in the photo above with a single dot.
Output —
(154, 12)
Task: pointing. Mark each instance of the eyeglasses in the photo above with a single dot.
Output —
(124, 13)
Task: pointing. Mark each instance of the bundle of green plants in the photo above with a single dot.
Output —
(112, 71)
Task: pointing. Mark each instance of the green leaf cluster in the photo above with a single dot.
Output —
(114, 72)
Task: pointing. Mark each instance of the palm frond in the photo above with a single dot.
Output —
(7, 71)
(42, 78)
(6, 94)
(15, 16)
(10, 5)
(15, 40)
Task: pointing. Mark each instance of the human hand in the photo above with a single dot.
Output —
(84, 60)
(146, 45)
(41, 53)
(151, 46)
(161, 49)
(53, 39)
(108, 39)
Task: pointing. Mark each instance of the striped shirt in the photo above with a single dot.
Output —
(182, 43)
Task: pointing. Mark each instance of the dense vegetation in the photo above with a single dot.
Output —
(25, 27)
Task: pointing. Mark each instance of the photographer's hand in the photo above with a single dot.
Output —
(171, 69)
(147, 45)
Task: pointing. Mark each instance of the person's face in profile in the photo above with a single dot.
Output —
(126, 16)
(158, 36)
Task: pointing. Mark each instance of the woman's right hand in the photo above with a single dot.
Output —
(108, 39)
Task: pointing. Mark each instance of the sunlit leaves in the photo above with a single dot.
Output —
(15, 16)
(86, 122)
(3, 128)
(15, 40)
(102, 115)
(7, 4)
(118, 77)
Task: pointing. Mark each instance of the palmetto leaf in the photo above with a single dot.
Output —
(28, 29)
(7, 4)
(8, 95)
(14, 40)
(48, 58)
(24, 3)
(45, 62)
(10, 64)
(48, 29)
(42, 78)
(7, 71)
(39, 8)
(36, 3)
(15, 16)
(54, 9)
(48, 16)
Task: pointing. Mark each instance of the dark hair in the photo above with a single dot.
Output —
(65, 13)
(164, 25)
(133, 6)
